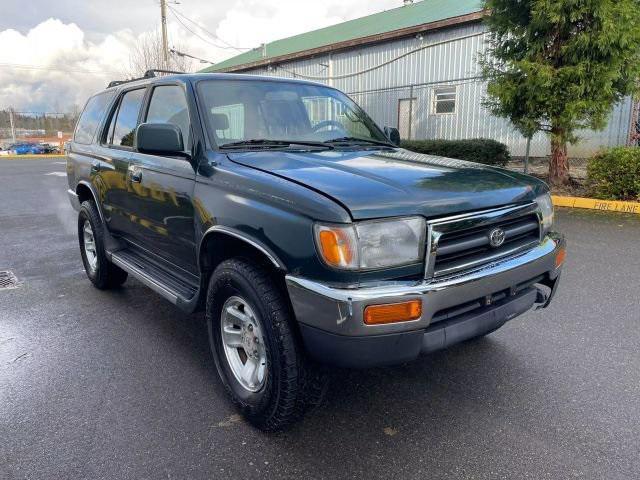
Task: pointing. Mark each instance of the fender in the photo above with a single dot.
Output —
(94, 195)
(111, 244)
(273, 258)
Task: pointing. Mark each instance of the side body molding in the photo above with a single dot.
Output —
(273, 258)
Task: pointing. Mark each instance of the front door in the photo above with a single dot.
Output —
(161, 187)
(406, 116)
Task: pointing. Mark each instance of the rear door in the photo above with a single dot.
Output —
(162, 186)
(113, 152)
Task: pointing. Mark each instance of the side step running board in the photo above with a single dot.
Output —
(177, 290)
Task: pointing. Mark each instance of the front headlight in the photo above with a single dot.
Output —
(372, 244)
(546, 209)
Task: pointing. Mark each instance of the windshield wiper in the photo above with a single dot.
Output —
(264, 142)
(359, 141)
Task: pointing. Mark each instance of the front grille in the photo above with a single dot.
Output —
(465, 244)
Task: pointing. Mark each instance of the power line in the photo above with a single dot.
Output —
(195, 33)
(228, 46)
(383, 64)
(54, 69)
(182, 54)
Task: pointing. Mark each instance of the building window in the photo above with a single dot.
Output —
(444, 100)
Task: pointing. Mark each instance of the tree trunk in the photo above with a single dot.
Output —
(559, 165)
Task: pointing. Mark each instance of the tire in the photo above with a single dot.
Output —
(102, 273)
(289, 384)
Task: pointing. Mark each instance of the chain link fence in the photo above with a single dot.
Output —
(453, 110)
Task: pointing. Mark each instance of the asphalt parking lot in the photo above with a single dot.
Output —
(121, 384)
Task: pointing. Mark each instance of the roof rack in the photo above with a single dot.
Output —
(152, 73)
(148, 74)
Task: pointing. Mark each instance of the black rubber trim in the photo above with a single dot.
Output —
(361, 352)
(476, 323)
(391, 349)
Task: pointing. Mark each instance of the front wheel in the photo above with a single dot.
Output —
(256, 350)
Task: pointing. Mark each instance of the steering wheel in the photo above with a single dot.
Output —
(328, 123)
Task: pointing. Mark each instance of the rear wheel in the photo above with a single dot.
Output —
(102, 273)
(255, 346)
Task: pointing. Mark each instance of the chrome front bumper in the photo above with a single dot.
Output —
(339, 311)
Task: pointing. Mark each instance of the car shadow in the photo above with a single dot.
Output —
(471, 375)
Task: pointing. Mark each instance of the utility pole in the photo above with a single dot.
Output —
(165, 41)
(13, 127)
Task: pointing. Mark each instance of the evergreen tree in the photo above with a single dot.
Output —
(560, 65)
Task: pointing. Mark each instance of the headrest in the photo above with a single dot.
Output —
(220, 121)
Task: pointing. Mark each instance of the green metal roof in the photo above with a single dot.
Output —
(406, 16)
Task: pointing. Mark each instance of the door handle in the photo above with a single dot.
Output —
(135, 174)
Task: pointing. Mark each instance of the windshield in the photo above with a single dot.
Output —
(261, 112)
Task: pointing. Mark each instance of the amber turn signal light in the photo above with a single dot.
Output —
(393, 312)
(336, 247)
(561, 256)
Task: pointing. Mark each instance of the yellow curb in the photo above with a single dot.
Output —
(595, 204)
(31, 157)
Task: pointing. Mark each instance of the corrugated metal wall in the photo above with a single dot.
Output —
(419, 74)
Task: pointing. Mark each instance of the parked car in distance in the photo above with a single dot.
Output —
(50, 149)
(307, 236)
(26, 148)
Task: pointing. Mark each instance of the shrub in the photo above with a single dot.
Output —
(480, 150)
(614, 174)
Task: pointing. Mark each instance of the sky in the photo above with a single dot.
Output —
(54, 55)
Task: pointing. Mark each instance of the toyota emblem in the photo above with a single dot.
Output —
(496, 237)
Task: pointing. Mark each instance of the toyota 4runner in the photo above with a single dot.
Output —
(304, 232)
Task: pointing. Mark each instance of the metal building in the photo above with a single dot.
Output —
(414, 67)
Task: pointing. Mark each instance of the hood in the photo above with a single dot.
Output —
(374, 184)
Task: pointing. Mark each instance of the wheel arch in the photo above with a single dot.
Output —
(86, 191)
(229, 242)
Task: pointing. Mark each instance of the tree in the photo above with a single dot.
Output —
(559, 66)
(147, 54)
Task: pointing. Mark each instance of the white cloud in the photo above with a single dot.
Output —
(90, 58)
(67, 65)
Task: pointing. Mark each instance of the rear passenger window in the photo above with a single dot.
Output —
(126, 119)
(169, 105)
(91, 117)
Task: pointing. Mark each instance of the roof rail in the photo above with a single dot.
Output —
(148, 74)
(152, 73)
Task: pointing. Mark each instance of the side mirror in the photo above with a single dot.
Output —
(393, 135)
(159, 139)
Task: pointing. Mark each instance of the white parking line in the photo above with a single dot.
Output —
(57, 174)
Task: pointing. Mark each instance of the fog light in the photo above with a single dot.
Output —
(560, 257)
(393, 312)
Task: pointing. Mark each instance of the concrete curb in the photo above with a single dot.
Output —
(595, 204)
(31, 157)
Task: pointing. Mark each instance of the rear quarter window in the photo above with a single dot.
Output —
(91, 117)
